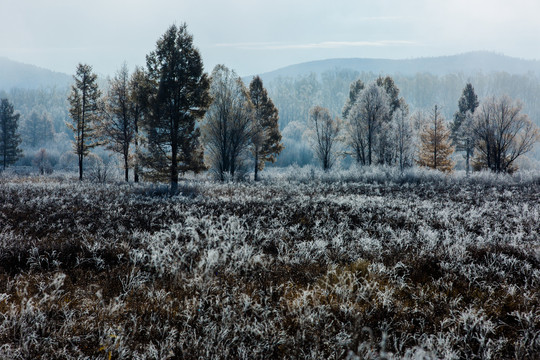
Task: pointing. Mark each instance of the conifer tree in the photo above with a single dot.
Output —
(435, 147)
(462, 127)
(467, 102)
(354, 93)
(266, 139)
(84, 111)
(9, 138)
(180, 98)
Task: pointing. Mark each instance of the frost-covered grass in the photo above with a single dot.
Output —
(357, 264)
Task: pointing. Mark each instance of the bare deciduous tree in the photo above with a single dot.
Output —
(325, 132)
(227, 129)
(366, 116)
(503, 134)
(403, 136)
(119, 127)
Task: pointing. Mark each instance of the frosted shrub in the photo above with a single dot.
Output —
(357, 263)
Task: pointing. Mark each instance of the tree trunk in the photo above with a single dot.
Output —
(126, 168)
(468, 155)
(136, 167)
(256, 165)
(174, 157)
(80, 167)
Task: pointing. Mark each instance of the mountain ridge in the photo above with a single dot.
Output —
(468, 63)
(14, 74)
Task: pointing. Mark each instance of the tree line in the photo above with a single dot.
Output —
(170, 117)
(151, 117)
(377, 129)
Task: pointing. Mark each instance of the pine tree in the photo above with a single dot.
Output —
(467, 102)
(354, 93)
(266, 140)
(389, 86)
(84, 112)
(435, 147)
(9, 138)
(463, 136)
(179, 99)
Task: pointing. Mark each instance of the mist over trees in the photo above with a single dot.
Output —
(420, 92)
(382, 117)
(37, 130)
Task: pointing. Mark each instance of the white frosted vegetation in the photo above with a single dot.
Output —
(357, 264)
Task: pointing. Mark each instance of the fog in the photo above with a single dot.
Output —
(255, 36)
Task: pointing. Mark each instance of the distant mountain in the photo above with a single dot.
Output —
(14, 74)
(468, 63)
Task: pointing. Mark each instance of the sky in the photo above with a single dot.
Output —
(256, 36)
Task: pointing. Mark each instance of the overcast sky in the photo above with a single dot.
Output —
(253, 36)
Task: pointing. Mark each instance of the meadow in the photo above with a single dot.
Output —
(357, 264)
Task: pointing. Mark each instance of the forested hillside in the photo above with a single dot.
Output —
(294, 96)
(14, 74)
(40, 96)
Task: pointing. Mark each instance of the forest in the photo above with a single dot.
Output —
(44, 111)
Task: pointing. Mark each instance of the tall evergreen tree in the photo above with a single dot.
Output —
(389, 86)
(84, 111)
(266, 140)
(465, 138)
(467, 102)
(354, 93)
(435, 147)
(181, 97)
(9, 138)
(462, 134)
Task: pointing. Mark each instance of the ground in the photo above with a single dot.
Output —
(295, 266)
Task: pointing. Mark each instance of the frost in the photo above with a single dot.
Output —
(363, 263)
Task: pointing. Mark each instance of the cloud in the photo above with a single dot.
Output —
(319, 45)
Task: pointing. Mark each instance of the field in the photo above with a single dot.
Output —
(300, 265)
